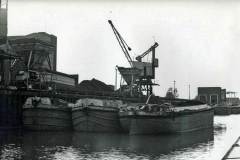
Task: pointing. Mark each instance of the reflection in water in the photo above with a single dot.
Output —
(152, 146)
(219, 129)
(44, 145)
(10, 148)
(69, 145)
(168, 143)
(74, 145)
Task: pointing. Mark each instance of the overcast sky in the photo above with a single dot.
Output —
(198, 41)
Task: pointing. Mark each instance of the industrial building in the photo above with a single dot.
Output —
(38, 62)
(212, 95)
(232, 99)
(41, 46)
(5, 60)
(3, 18)
(6, 56)
(29, 59)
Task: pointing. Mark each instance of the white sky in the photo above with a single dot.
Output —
(198, 41)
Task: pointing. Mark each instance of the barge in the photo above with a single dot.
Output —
(95, 115)
(222, 110)
(45, 114)
(165, 118)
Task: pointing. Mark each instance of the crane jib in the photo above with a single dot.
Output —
(124, 46)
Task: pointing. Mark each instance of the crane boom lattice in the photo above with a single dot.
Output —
(124, 46)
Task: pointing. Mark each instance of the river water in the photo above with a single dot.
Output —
(200, 145)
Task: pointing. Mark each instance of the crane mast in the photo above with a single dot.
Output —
(125, 48)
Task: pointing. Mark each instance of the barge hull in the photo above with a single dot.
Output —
(136, 124)
(222, 110)
(95, 120)
(45, 119)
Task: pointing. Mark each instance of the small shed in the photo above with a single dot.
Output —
(212, 95)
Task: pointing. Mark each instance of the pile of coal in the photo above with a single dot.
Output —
(94, 85)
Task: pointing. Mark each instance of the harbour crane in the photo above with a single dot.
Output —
(129, 74)
(140, 74)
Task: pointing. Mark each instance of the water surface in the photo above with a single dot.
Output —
(200, 145)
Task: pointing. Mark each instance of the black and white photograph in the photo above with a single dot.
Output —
(119, 79)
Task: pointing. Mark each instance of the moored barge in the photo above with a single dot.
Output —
(45, 114)
(95, 115)
(165, 118)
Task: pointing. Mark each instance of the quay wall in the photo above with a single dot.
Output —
(10, 110)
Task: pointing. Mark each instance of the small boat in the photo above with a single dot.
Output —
(96, 115)
(165, 118)
(222, 110)
(45, 114)
(235, 109)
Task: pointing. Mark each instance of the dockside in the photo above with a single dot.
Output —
(234, 151)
